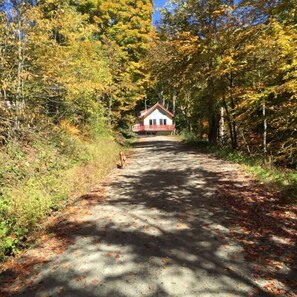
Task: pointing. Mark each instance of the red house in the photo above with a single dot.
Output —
(156, 119)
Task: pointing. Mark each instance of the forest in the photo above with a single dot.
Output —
(230, 69)
(75, 74)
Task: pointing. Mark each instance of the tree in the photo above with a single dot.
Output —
(240, 57)
(124, 28)
(53, 69)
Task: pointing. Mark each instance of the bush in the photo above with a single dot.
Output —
(189, 137)
(37, 179)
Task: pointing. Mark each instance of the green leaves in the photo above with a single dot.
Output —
(125, 29)
(218, 54)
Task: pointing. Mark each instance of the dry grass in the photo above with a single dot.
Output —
(47, 184)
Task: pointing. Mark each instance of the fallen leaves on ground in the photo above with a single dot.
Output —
(266, 230)
(19, 272)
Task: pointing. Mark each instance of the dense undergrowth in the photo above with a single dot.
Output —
(64, 78)
(280, 179)
(39, 177)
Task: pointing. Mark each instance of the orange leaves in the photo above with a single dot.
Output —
(264, 230)
(164, 262)
(112, 255)
(60, 234)
(95, 281)
(275, 289)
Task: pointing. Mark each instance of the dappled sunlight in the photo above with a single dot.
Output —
(161, 230)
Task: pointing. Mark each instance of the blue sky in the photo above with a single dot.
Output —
(158, 4)
(156, 15)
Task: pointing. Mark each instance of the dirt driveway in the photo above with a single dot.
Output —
(160, 231)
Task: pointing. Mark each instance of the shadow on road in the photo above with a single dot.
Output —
(190, 224)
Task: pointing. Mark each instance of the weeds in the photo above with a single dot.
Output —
(39, 178)
(279, 179)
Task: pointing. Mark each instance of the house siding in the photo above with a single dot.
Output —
(157, 114)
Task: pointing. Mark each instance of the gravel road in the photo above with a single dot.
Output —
(159, 232)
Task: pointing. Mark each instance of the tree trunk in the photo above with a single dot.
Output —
(110, 109)
(19, 96)
(213, 129)
(264, 129)
(222, 125)
(246, 144)
(213, 122)
(229, 121)
(232, 103)
(20, 63)
(173, 103)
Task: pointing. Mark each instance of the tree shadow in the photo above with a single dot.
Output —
(177, 229)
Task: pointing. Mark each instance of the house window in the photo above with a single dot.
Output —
(153, 122)
(165, 122)
(161, 122)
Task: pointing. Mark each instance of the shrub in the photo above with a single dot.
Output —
(39, 177)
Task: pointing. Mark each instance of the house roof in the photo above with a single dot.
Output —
(145, 113)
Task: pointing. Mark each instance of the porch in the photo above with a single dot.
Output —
(152, 128)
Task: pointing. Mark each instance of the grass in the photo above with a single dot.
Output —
(39, 178)
(278, 179)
